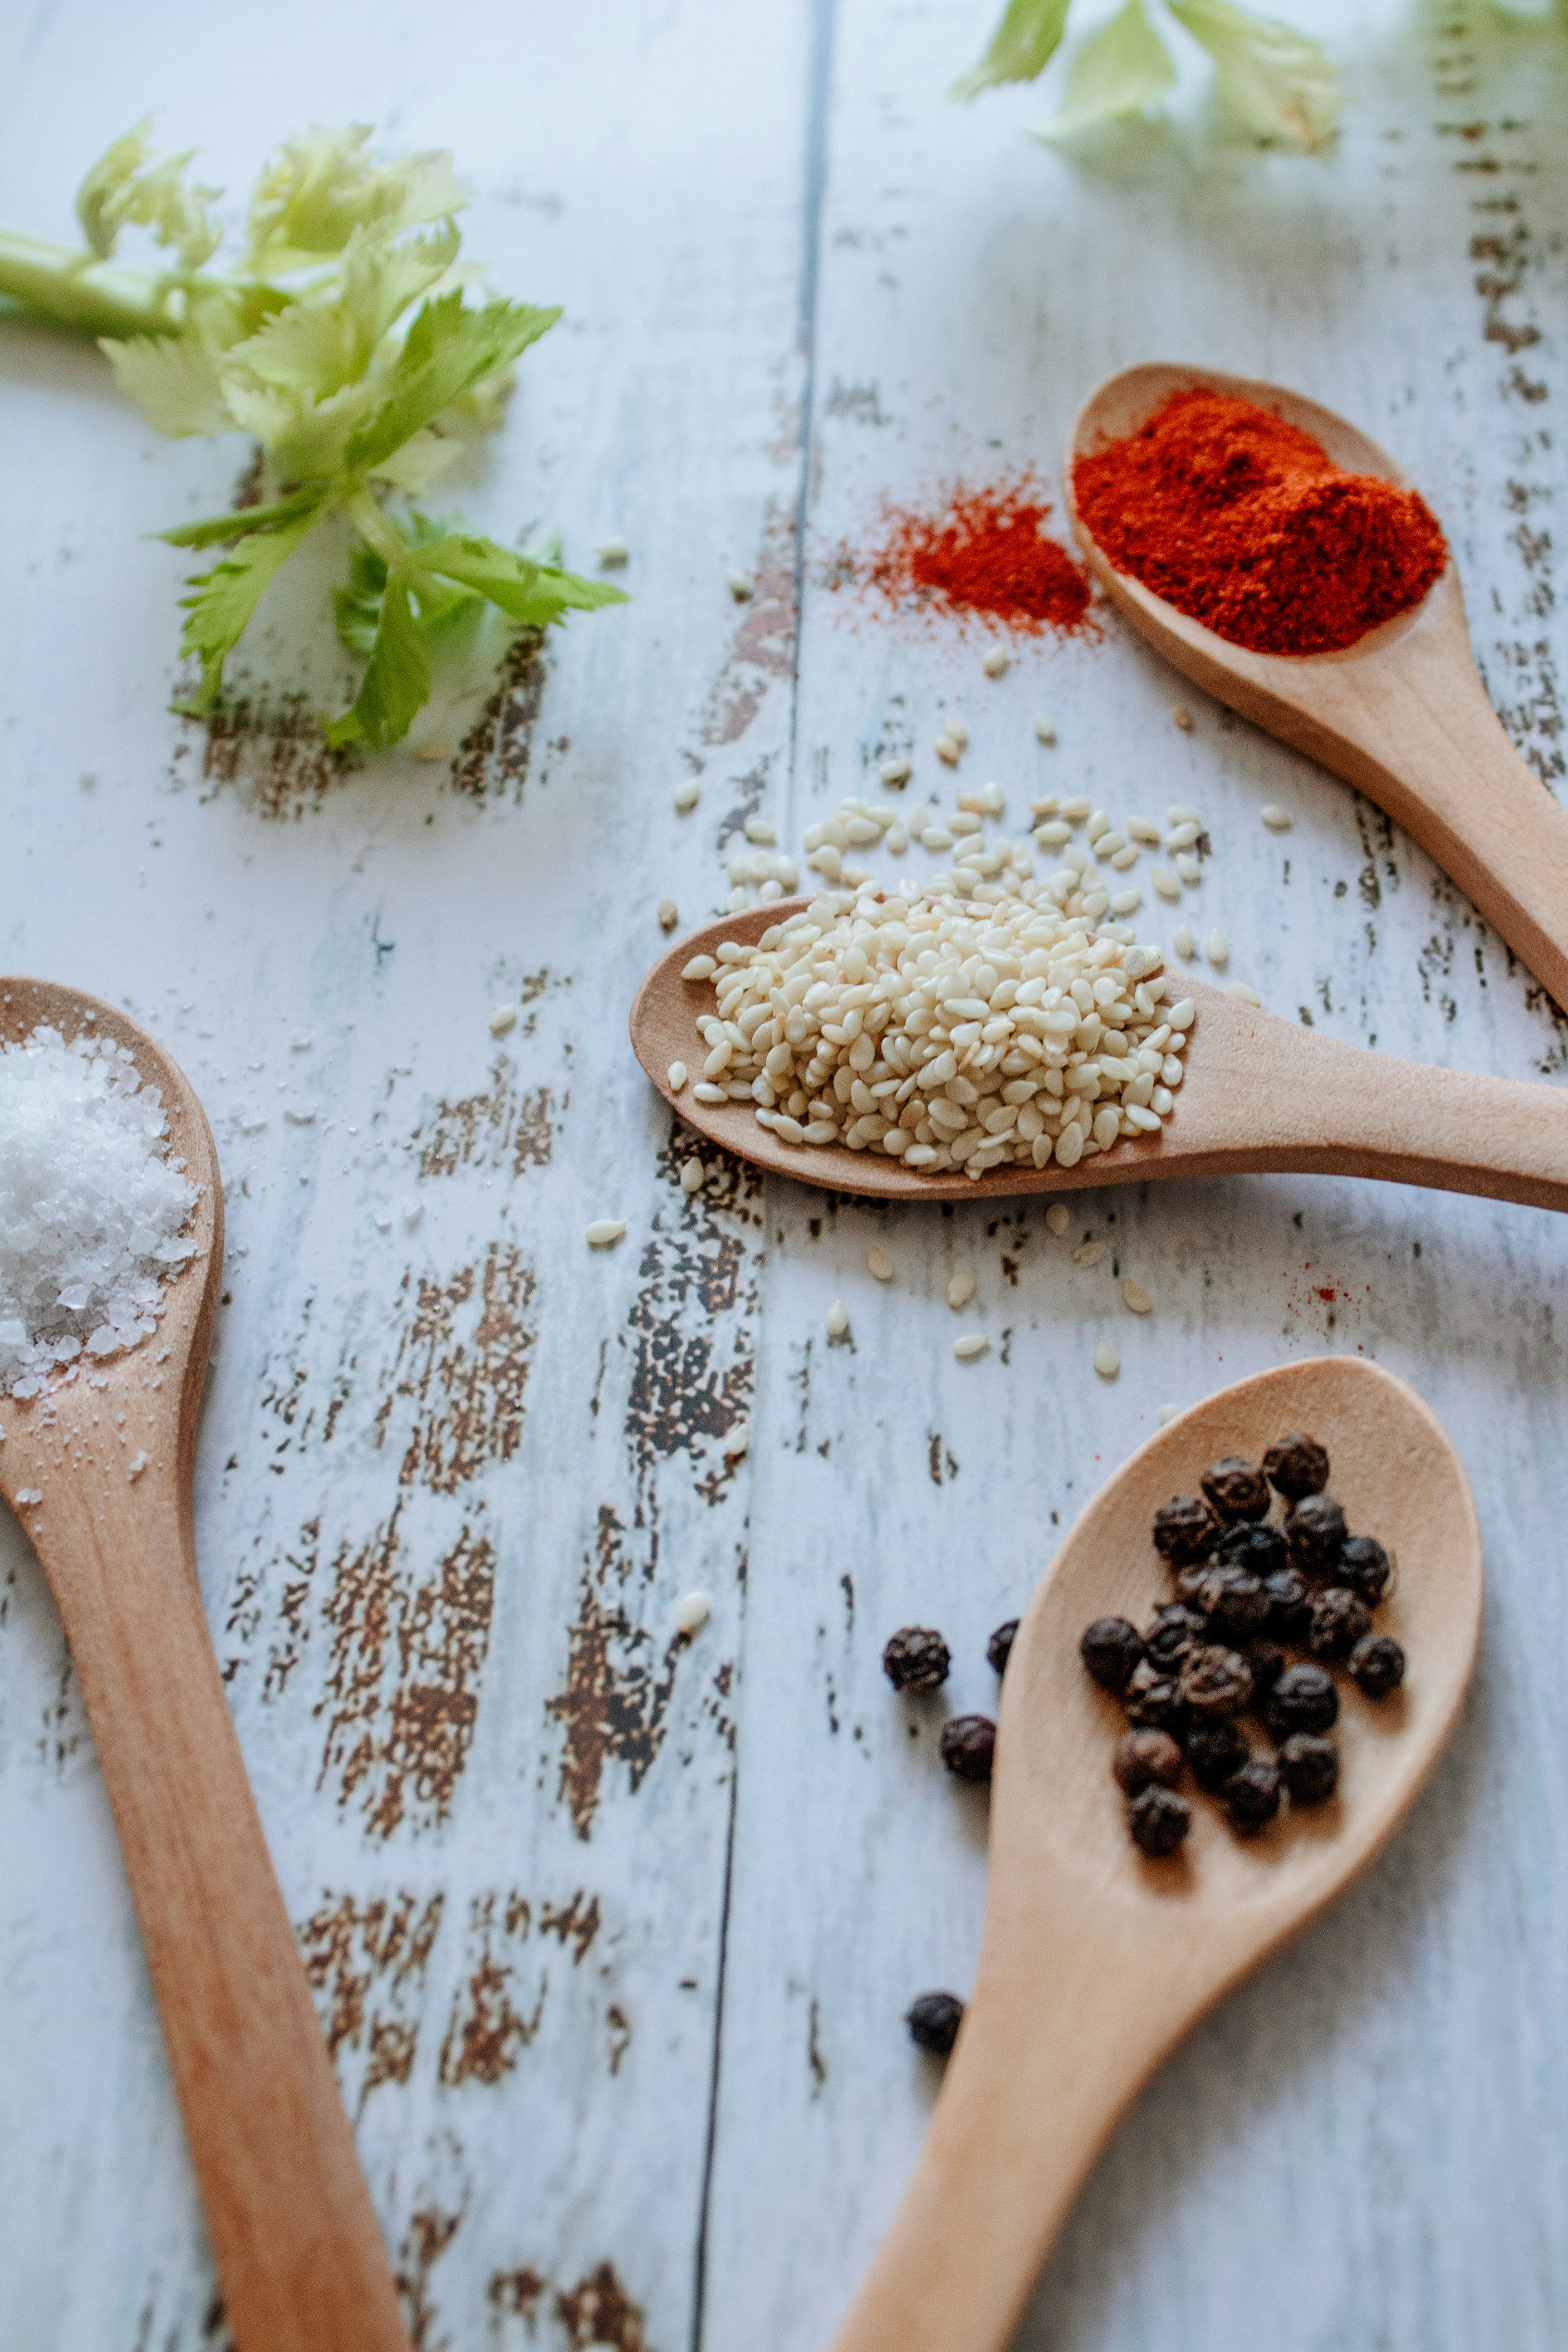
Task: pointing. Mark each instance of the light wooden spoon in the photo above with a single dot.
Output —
(1094, 1962)
(299, 2250)
(1260, 1096)
(1402, 715)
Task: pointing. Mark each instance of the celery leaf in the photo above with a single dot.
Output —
(1122, 68)
(120, 188)
(318, 344)
(1022, 46)
(530, 592)
(225, 598)
(448, 349)
(1281, 84)
(217, 530)
(322, 185)
(175, 381)
(396, 684)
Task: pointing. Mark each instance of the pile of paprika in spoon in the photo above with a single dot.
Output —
(1244, 522)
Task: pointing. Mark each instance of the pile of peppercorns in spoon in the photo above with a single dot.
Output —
(1249, 1592)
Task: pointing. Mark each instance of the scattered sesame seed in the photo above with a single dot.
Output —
(503, 1018)
(837, 1319)
(994, 661)
(1074, 810)
(1248, 995)
(960, 1287)
(896, 773)
(668, 914)
(604, 1232)
(1057, 1218)
(1276, 819)
(947, 749)
(706, 1092)
(758, 829)
(613, 552)
(1044, 732)
(740, 587)
(1178, 815)
(691, 1176)
(1168, 1413)
(1136, 1297)
(1166, 885)
(688, 793)
(1188, 868)
(959, 732)
(1124, 860)
(973, 1345)
(1216, 947)
(676, 1074)
(739, 1441)
(1127, 902)
(1182, 717)
(1183, 940)
(879, 1262)
(1089, 1253)
(1183, 836)
(1144, 829)
(702, 967)
(433, 753)
(693, 1614)
(1107, 1363)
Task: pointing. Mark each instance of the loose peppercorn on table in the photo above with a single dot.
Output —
(613, 1927)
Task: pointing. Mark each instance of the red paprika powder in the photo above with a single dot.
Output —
(1245, 523)
(984, 554)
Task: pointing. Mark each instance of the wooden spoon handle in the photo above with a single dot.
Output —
(299, 2250)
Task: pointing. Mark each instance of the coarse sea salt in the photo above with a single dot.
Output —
(92, 1207)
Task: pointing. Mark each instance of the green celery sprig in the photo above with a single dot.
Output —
(307, 346)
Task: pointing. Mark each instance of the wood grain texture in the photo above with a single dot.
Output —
(454, 1471)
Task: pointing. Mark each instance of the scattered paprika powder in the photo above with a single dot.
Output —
(1244, 522)
(984, 555)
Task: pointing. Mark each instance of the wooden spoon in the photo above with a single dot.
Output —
(1094, 1962)
(111, 1448)
(1402, 715)
(1260, 1096)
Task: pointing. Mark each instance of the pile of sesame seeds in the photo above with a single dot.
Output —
(944, 1032)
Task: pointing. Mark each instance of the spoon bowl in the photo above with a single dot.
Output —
(1094, 1961)
(99, 1469)
(1403, 714)
(1260, 1096)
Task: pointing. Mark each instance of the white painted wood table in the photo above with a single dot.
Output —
(613, 1937)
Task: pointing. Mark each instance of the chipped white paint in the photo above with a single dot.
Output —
(457, 1472)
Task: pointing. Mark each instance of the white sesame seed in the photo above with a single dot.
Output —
(1216, 947)
(1239, 988)
(702, 967)
(433, 753)
(994, 661)
(613, 552)
(973, 1345)
(1165, 883)
(1074, 810)
(879, 1262)
(688, 793)
(992, 800)
(896, 773)
(1124, 860)
(758, 829)
(691, 1176)
(1183, 940)
(959, 732)
(676, 1074)
(1187, 866)
(1178, 814)
(740, 587)
(960, 1287)
(706, 1092)
(1089, 1253)
(1045, 731)
(1168, 1413)
(1099, 823)
(1142, 828)
(1136, 1297)
(668, 914)
(898, 840)
(1276, 819)
(739, 1441)
(837, 1319)
(947, 749)
(737, 902)
(1183, 1014)
(1054, 835)
(1181, 836)
(1107, 1363)
(1182, 717)
(693, 1614)
(936, 837)
(785, 872)
(1057, 1218)
(1127, 902)
(604, 1232)
(503, 1018)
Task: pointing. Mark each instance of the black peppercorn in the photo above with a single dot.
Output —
(1159, 1820)
(1296, 1466)
(1310, 1767)
(1184, 1529)
(1289, 1605)
(916, 1659)
(1364, 1566)
(999, 1648)
(933, 2022)
(1155, 1703)
(1236, 1489)
(1303, 1699)
(1267, 1660)
(1142, 1759)
(1315, 1532)
(1215, 1681)
(1260, 1550)
(1339, 1618)
(1377, 1666)
(1171, 1635)
(1234, 1602)
(1252, 1797)
(1110, 1648)
(968, 1746)
(1216, 1750)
